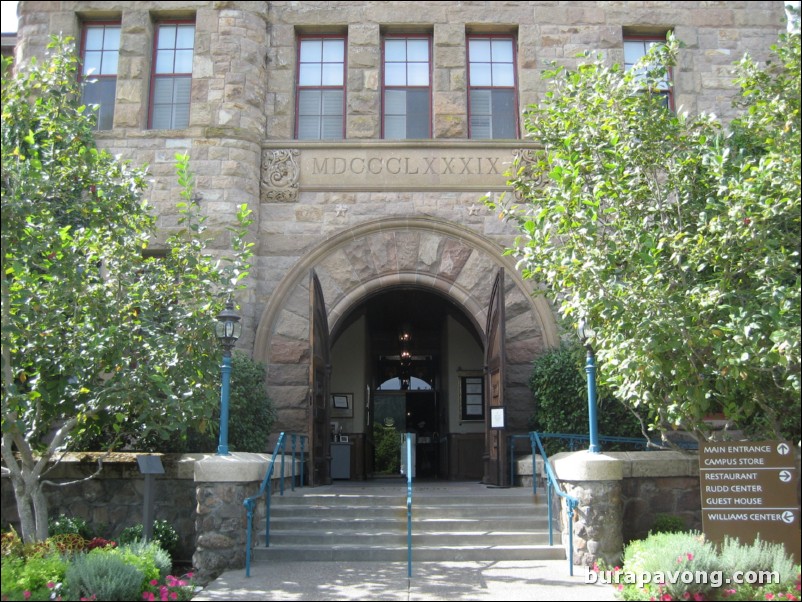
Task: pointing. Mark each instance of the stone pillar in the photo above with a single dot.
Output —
(596, 481)
(221, 484)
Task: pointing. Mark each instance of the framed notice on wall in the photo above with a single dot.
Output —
(497, 418)
(342, 405)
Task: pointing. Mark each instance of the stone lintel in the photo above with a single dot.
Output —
(238, 467)
(585, 466)
(436, 165)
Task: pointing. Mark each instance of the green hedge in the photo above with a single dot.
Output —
(559, 388)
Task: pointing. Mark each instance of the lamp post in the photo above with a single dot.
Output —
(227, 330)
(585, 334)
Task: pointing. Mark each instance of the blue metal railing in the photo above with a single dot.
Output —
(553, 485)
(410, 468)
(266, 489)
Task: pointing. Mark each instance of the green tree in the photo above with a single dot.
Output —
(675, 236)
(94, 330)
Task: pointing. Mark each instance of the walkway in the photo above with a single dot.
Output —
(507, 580)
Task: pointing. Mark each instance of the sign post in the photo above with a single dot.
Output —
(748, 490)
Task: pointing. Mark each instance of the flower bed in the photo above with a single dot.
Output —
(685, 566)
(69, 567)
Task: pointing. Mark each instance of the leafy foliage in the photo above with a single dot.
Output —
(387, 458)
(667, 523)
(559, 388)
(163, 533)
(676, 238)
(104, 575)
(63, 524)
(96, 334)
(667, 559)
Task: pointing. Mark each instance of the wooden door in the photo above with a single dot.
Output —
(496, 460)
(319, 373)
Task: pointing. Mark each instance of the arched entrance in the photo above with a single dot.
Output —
(417, 352)
(373, 279)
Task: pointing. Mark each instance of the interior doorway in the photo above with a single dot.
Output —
(405, 349)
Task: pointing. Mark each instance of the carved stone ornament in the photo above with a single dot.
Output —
(524, 164)
(281, 175)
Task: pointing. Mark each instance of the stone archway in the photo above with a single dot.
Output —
(428, 253)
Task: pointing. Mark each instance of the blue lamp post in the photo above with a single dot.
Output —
(228, 329)
(585, 334)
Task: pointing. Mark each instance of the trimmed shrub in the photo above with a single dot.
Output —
(103, 574)
(667, 523)
(559, 387)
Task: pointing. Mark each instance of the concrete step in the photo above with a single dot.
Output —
(369, 523)
(387, 553)
(448, 524)
(429, 538)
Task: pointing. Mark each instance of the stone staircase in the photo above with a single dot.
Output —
(368, 522)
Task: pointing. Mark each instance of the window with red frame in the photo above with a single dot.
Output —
(100, 50)
(407, 87)
(321, 89)
(635, 48)
(172, 75)
(492, 94)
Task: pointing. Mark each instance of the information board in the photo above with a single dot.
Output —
(749, 488)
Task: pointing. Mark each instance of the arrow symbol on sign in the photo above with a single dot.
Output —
(783, 449)
(785, 476)
(788, 517)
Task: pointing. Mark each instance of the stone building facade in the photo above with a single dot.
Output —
(366, 235)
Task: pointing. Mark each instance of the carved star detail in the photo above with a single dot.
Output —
(341, 210)
(473, 210)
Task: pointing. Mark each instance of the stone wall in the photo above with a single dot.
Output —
(114, 499)
(201, 495)
(620, 494)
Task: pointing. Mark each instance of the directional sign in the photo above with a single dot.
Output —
(749, 488)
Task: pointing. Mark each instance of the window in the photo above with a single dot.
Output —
(407, 88)
(635, 48)
(321, 91)
(172, 75)
(472, 395)
(100, 51)
(492, 98)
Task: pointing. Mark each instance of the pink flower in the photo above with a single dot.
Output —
(686, 596)
(191, 574)
(769, 596)
(148, 596)
(50, 585)
(698, 596)
(689, 556)
(154, 582)
(173, 596)
(729, 592)
(26, 594)
(666, 597)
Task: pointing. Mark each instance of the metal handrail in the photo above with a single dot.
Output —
(553, 484)
(266, 490)
(409, 504)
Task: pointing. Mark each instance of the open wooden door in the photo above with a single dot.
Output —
(319, 373)
(496, 461)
